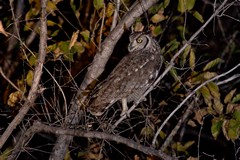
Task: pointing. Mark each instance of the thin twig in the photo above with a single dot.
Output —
(189, 96)
(187, 113)
(94, 71)
(16, 28)
(102, 56)
(115, 15)
(33, 34)
(9, 81)
(171, 64)
(228, 79)
(64, 97)
(36, 79)
(179, 124)
(39, 127)
(101, 28)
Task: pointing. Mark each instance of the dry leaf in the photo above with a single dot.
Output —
(158, 17)
(225, 128)
(2, 30)
(73, 39)
(138, 27)
(192, 158)
(14, 98)
(191, 123)
(199, 114)
(229, 96)
(136, 157)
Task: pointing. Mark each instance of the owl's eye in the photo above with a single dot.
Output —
(139, 40)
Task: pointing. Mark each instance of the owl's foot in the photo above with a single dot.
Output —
(124, 108)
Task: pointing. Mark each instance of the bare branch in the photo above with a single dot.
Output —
(95, 70)
(19, 9)
(172, 62)
(179, 124)
(102, 56)
(189, 96)
(115, 15)
(9, 81)
(36, 79)
(39, 127)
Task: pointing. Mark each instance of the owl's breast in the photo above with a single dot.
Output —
(130, 79)
(137, 74)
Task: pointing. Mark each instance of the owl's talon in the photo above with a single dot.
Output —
(124, 108)
(125, 113)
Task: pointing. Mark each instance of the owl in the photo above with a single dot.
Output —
(132, 76)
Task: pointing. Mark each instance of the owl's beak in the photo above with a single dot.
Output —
(131, 48)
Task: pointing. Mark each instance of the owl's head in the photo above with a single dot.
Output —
(141, 41)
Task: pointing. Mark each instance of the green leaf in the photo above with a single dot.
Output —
(157, 31)
(197, 78)
(209, 75)
(78, 48)
(110, 9)
(213, 88)
(174, 74)
(190, 4)
(236, 98)
(32, 60)
(217, 106)
(198, 16)
(229, 96)
(182, 148)
(181, 6)
(86, 35)
(29, 78)
(233, 129)
(206, 95)
(216, 127)
(166, 3)
(192, 59)
(65, 51)
(184, 55)
(52, 23)
(55, 33)
(64, 46)
(75, 9)
(98, 4)
(147, 132)
(5, 154)
(162, 135)
(236, 115)
(156, 18)
(212, 63)
(52, 47)
(73, 6)
(172, 45)
(155, 8)
(185, 5)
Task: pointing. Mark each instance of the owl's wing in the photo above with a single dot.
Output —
(130, 78)
(140, 75)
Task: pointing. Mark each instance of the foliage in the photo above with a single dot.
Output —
(76, 30)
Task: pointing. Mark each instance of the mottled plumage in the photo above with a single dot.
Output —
(132, 76)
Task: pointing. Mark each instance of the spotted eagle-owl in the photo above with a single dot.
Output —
(132, 76)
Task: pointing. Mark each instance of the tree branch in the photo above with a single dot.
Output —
(36, 79)
(95, 70)
(39, 127)
(220, 8)
(189, 96)
(102, 56)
